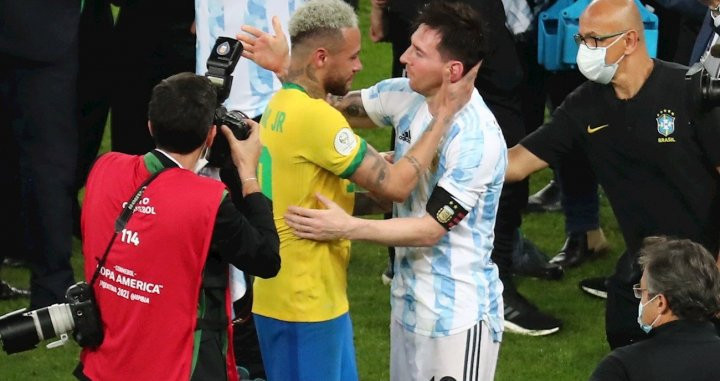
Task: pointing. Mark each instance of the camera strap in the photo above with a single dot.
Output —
(123, 219)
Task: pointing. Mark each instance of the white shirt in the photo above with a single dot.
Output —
(252, 85)
(447, 288)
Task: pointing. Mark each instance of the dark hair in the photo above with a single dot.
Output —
(181, 112)
(462, 30)
(686, 273)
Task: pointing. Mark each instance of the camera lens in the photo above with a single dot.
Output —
(18, 333)
(22, 330)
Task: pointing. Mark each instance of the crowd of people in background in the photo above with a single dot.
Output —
(466, 103)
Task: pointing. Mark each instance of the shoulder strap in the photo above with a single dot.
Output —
(123, 219)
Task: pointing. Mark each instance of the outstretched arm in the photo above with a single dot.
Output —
(522, 163)
(351, 106)
(396, 181)
(271, 52)
(333, 223)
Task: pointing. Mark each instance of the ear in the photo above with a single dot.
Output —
(211, 136)
(456, 70)
(632, 40)
(662, 305)
(320, 57)
(150, 129)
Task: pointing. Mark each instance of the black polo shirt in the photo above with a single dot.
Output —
(654, 159)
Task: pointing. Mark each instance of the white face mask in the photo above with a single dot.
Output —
(646, 327)
(202, 161)
(591, 63)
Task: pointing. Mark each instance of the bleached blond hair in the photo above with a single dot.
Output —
(321, 18)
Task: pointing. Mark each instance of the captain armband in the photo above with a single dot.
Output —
(444, 208)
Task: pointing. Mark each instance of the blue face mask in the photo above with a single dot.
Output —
(646, 327)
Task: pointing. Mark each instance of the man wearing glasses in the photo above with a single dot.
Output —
(654, 153)
(678, 294)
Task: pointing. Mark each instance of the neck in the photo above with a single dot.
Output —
(666, 319)
(305, 75)
(187, 161)
(629, 82)
(432, 102)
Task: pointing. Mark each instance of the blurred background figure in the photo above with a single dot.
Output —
(39, 140)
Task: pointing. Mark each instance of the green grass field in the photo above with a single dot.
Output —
(568, 355)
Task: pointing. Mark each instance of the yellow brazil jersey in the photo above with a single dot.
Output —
(308, 148)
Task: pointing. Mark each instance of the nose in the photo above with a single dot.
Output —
(404, 57)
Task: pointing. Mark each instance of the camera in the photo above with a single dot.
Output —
(21, 330)
(703, 85)
(223, 58)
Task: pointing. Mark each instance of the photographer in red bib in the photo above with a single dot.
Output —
(162, 290)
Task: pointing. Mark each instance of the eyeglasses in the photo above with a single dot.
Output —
(593, 41)
(637, 290)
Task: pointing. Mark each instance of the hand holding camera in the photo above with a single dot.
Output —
(245, 153)
(224, 56)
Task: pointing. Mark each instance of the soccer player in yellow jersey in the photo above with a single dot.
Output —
(301, 315)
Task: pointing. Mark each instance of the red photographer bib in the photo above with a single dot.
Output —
(148, 290)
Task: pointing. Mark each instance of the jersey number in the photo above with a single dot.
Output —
(265, 172)
(130, 237)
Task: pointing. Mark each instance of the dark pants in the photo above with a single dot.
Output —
(513, 198)
(621, 308)
(146, 51)
(93, 89)
(398, 35)
(579, 194)
(39, 149)
(130, 98)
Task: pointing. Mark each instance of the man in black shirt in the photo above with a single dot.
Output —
(678, 293)
(655, 155)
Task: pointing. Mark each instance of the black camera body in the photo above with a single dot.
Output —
(224, 56)
(703, 86)
(88, 331)
(21, 330)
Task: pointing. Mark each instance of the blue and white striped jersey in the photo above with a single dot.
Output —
(445, 289)
(252, 85)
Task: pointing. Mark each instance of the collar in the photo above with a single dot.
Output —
(685, 329)
(158, 159)
(290, 85)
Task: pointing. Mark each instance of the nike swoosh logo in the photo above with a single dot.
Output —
(596, 129)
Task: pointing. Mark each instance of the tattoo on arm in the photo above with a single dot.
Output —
(379, 167)
(335, 100)
(431, 124)
(415, 163)
(351, 105)
(445, 120)
(355, 106)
